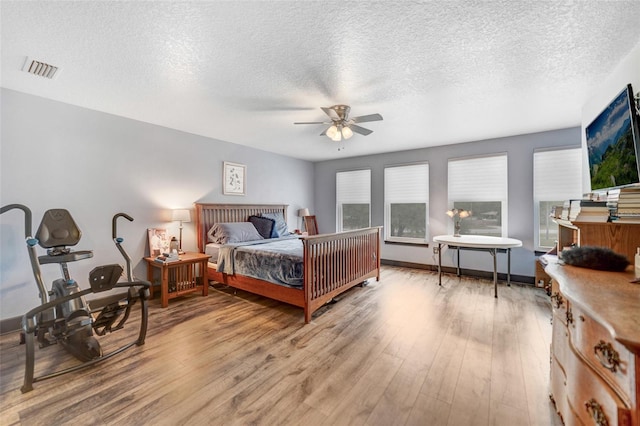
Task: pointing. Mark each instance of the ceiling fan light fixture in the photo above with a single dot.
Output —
(347, 132)
(337, 137)
(331, 131)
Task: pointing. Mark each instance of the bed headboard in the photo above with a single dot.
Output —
(209, 214)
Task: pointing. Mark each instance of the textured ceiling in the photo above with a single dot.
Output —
(243, 72)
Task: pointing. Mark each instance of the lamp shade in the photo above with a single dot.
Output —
(303, 212)
(182, 215)
(347, 132)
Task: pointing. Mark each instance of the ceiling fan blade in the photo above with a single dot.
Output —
(366, 118)
(360, 130)
(310, 122)
(331, 113)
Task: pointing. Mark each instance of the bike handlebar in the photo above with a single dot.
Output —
(27, 216)
(114, 223)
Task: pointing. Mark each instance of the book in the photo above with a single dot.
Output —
(592, 218)
(166, 259)
(626, 220)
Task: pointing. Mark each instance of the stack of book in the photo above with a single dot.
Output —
(628, 210)
(588, 211)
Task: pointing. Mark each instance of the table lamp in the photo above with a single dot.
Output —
(302, 213)
(181, 215)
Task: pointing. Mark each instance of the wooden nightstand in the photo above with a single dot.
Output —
(185, 276)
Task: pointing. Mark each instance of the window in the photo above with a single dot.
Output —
(479, 184)
(557, 176)
(353, 200)
(406, 196)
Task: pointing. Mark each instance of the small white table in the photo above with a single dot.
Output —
(482, 243)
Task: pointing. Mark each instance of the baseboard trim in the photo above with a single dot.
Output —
(10, 325)
(520, 279)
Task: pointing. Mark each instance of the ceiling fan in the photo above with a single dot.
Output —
(341, 126)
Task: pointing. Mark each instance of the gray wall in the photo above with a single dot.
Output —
(520, 186)
(55, 155)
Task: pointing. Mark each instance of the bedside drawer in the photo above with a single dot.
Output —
(610, 359)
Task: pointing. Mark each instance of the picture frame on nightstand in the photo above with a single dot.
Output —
(158, 241)
(234, 179)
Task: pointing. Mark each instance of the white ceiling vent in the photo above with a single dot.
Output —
(40, 68)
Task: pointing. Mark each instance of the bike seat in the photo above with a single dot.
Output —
(56, 232)
(58, 229)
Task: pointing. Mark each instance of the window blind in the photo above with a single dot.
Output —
(353, 187)
(557, 174)
(406, 184)
(478, 179)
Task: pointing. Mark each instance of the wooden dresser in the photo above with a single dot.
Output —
(595, 349)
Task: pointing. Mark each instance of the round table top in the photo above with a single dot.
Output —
(478, 241)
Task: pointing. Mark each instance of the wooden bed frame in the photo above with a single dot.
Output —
(333, 263)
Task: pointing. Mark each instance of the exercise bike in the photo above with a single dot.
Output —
(64, 316)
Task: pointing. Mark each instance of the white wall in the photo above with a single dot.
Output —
(627, 71)
(55, 155)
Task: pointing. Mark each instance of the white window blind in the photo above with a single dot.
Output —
(405, 186)
(478, 179)
(353, 187)
(557, 174)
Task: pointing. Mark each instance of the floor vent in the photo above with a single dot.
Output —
(39, 68)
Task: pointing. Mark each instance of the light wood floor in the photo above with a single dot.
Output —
(401, 351)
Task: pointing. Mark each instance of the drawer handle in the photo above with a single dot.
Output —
(596, 412)
(607, 356)
(559, 300)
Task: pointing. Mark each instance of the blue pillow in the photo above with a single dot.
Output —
(280, 228)
(264, 225)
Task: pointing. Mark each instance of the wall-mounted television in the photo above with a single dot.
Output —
(613, 144)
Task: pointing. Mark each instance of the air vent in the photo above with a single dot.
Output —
(40, 68)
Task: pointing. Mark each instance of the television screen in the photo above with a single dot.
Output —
(612, 144)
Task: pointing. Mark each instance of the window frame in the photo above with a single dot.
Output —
(354, 199)
(411, 199)
(559, 172)
(478, 168)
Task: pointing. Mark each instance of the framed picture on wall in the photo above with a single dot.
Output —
(158, 241)
(234, 179)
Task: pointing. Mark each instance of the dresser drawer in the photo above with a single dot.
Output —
(592, 399)
(610, 359)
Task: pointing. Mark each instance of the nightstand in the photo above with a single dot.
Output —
(185, 276)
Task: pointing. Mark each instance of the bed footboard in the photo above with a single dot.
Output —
(334, 263)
